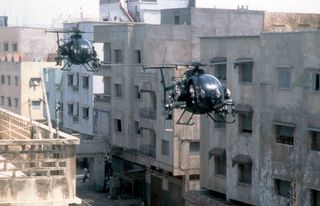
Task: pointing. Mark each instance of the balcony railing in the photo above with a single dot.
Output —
(148, 150)
(102, 98)
(148, 113)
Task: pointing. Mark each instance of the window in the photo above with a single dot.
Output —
(164, 147)
(194, 148)
(85, 82)
(176, 19)
(245, 71)
(70, 79)
(220, 164)
(316, 82)
(76, 85)
(245, 172)
(16, 102)
(194, 177)
(315, 197)
(9, 80)
(118, 90)
(70, 109)
(6, 46)
(245, 122)
(137, 129)
(282, 187)
(85, 113)
(117, 125)
(284, 134)
(14, 47)
(35, 104)
(315, 140)
(220, 71)
(2, 100)
(118, 56)
(16, 80)
(137, 57)
(137, 92)
(9, 101)
(284, 78)
(34, 82)
(3, 79)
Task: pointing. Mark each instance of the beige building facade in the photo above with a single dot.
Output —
(24, 52)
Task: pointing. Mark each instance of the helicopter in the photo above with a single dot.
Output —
(198, 93)
(76, 50)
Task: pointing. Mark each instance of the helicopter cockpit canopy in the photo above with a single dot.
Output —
(82, 50)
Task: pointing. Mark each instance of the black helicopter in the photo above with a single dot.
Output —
(76, 50)
(198, 93)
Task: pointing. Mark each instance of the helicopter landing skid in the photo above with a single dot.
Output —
(88, 67)
(66, 67)
(188, 122)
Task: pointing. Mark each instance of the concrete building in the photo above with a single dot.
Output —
(269, 156)
(35, 169)
(24, 52)
(147, 11)
(79, 89)
(143, 139)
(127, 117)
(227, 22)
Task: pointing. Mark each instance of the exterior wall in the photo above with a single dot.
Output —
(28, 71)
(295, 106)
(270, 160)
(33, 49)
(78, 94)
(23, 71)
(32, 44)
(139, 11)
(12, 70)
(231, 139)
(215, 22)
(172, 44)
(43, 175)
(280, 22)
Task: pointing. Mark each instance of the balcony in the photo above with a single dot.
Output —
(148, 113)
(148, 150)
(102, 98)
(33, 158)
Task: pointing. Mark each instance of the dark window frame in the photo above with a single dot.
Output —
(278, 183)
(242, 168)
(118, 125)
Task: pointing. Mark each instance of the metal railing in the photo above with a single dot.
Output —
(102, 98)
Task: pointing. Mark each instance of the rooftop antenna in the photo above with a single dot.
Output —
(81, 14)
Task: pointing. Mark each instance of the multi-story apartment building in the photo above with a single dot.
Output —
(269, 155)
(79, 88)
(24, 52)
(132, 100)
(142, 137)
